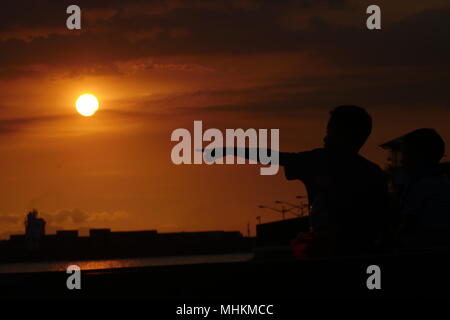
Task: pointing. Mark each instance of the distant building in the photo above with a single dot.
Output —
(99, 233)
(17, 238)
(107, 244)
(67, 234)
(34, 226)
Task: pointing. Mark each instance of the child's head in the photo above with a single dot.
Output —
(422, 148)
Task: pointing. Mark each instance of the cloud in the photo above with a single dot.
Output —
(131, 67)
(80, 217)
(285, 96)
(394, 65)
(74, 216)
(168, 28)
(50, 13)
(15, 125)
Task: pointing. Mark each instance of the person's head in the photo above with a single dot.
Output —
(422, 148)
(348, 128)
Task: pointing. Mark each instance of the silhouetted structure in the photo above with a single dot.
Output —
(34, 230)
(104, 243)
(34, 226)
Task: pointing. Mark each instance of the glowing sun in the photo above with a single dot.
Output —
(87, 105)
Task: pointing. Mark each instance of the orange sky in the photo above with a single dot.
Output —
(157, 66)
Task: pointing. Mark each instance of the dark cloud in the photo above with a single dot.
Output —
(193, 29)
(404, 63)
(415, 41)
(10, 126)
(52, 13)
(287, 96)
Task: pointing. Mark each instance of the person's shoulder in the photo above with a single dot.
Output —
(303, 159)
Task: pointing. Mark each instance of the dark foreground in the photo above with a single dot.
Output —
(411, 275)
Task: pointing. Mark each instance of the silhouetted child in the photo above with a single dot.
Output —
(426, 199)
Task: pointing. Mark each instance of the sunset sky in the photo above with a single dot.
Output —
(156, 66)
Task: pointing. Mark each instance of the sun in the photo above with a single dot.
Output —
(87, 105)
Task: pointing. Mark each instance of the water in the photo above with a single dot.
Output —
(123, 263)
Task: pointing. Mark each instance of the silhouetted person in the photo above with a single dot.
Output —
(426, 199)
(347, 193)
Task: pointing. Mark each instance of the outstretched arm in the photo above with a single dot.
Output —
(261, 155)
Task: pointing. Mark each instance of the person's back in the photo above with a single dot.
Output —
(347, 194)
(429, 200)
(426, 200)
